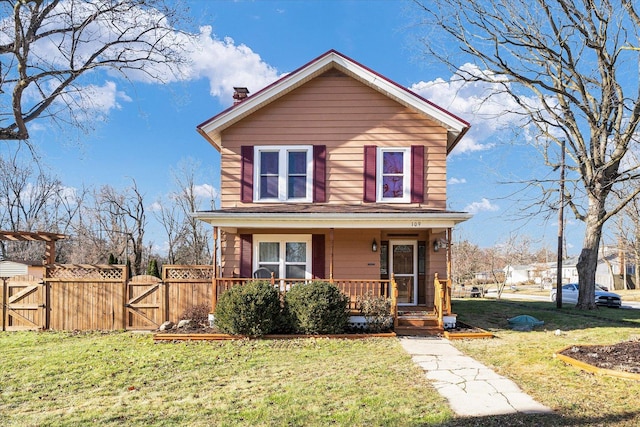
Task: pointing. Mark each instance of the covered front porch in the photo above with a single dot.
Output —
(395, 253)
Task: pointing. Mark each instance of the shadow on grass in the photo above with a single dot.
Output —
(493, 315)
(543, 420)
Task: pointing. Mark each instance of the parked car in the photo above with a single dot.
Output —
(603, 297)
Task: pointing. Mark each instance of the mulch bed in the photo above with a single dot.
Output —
(465, 331)
(624, 356)
(206, 333)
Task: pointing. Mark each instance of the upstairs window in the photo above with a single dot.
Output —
(394, 175)
(283, 174)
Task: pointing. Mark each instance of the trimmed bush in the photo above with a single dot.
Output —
(252, 309)
(376, 309)
(317, 308)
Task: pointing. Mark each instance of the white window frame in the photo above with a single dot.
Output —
(283, 168)
(406, 178)
(283, 239)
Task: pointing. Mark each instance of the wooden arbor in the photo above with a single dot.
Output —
(50, 240)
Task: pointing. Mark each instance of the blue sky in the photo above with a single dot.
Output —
(149, 128)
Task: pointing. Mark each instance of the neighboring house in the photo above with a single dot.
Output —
(335, 172)
(614, 269)
(515, 274)
(9, 268)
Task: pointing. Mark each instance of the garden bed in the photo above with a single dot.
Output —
(464, 331)
(619, 360)
(206, 336)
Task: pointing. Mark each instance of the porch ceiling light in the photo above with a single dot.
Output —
(374, 246)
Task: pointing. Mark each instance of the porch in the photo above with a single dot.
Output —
(412, 320)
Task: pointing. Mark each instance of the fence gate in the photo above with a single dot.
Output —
(146, 305)
(23, 303)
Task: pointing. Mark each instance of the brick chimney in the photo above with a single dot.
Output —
(239, 94)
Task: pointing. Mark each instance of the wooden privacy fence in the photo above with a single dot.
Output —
(101, 297)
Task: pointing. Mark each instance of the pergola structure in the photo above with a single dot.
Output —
(50, 240)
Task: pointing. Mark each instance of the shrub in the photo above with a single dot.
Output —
(376, 309)
(252, 309)
(317, 308)
(198, 314)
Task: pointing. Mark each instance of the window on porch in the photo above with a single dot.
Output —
(287, 256)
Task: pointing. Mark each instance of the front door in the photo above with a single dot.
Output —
(403, 262)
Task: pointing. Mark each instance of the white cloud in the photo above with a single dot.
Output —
(226, 65)
(483, 205)
(191, 57)
(487, 107)
(205, 191)
(454, 181)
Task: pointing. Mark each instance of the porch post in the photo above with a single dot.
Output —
(331, 255)
(394, 300)
(450, 240)
(214, 284)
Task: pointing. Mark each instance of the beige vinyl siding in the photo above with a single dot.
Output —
(344, 115)
(352, 255)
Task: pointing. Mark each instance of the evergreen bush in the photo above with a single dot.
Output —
(253, 309)
(317, 308)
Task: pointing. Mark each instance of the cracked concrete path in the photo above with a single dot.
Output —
(471, 388)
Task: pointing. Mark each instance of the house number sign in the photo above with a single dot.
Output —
(416, 223)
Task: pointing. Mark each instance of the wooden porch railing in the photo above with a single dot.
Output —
(442, 298)
(352, 288)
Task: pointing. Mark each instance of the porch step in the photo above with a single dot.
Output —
(418, 324)
(417, 321)
(418, 331)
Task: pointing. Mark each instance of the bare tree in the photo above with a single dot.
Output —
(166, 213)
(47, 47)
(31, 199)
(466, 261)
(193, 247)
(570, 57)
(122, 220)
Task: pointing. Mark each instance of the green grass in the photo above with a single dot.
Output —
(126, 379)
(69, 379)
(578, 398)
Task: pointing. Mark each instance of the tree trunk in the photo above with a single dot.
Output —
(588, 260)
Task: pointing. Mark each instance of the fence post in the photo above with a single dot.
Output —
(4, 302)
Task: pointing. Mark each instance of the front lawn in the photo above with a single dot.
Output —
(527, 357)
(125, 379)
(55, 378)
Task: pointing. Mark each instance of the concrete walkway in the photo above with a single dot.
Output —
(471, 388)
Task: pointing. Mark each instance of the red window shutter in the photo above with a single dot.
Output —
(317, 251)
(417, 173)
(246, 255)
(246, 174)
(319, 173)
(369, 173)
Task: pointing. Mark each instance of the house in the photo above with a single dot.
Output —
(616, 269)
(516, 274)
(11, 268)
(335, 172)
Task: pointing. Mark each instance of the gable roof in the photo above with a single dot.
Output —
(212, 129)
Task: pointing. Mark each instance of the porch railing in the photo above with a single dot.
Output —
(352, 288)
(442, 298)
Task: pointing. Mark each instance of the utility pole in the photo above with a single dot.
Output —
(560, 230)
